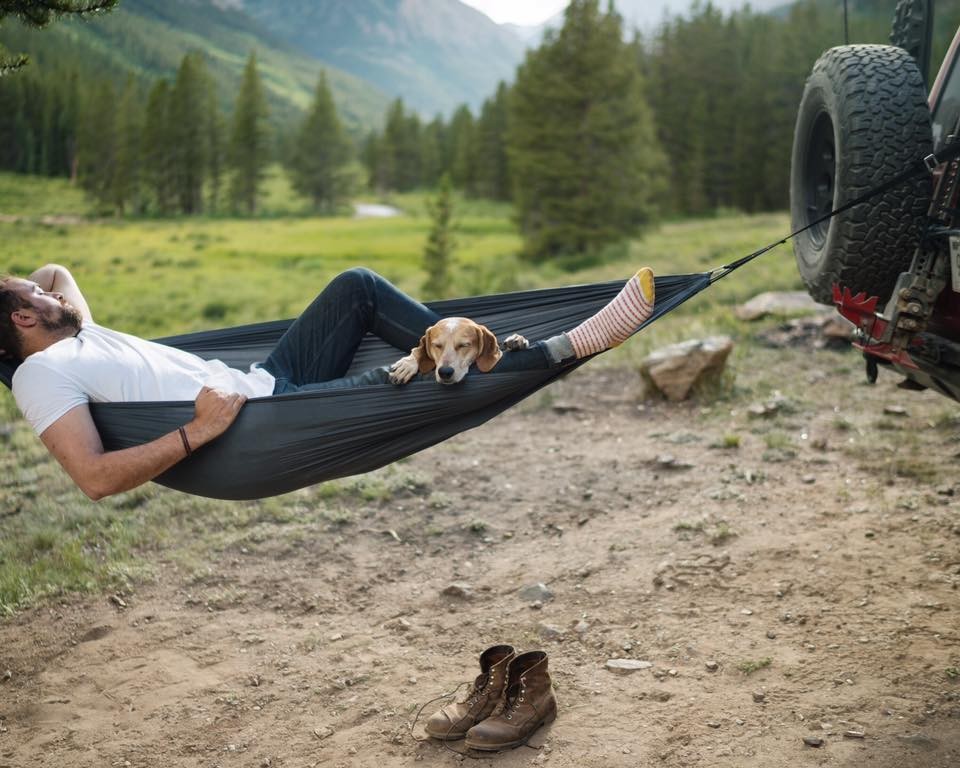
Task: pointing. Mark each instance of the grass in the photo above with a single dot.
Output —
(749, 666)
(156, 277)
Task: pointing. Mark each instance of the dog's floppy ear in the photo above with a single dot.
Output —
(424, 360)
(490, 353)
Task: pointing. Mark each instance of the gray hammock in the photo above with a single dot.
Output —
(285, 442)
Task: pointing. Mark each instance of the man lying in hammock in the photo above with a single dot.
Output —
(68, 361)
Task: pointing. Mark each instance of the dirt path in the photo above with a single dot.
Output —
(824, 590)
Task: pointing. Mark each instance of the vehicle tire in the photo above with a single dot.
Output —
(862, 119)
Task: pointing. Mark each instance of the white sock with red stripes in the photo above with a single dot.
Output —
(613, 324)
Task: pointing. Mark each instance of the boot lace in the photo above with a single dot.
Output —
(478, 689)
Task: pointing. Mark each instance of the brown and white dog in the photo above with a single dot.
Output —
(451, 346)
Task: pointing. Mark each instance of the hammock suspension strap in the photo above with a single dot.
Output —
(926, 164)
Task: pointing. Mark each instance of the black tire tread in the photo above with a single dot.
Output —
(882, 124)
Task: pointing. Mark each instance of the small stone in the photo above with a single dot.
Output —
(738, 721)
(549, 631)
(323, 732)
(672, 672)
(7, 675)
(712, 666)
(255, 681)
(536, 593)
(854, 734)
(808, 479)
(895, 410)
(813, 741)
(771, 635)
(581, 628)
(336, 636)
(759, 696)
(712, 724)
(399, 625)
(118, 601)
(747, 612)
(536, 605)
(627, 645)
(919, 740)
(626, 666)
(458, 589)
(266, 762)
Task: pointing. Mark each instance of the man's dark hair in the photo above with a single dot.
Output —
(10, 302)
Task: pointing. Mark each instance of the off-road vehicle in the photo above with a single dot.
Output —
(891, 264)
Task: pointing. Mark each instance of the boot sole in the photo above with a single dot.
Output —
(445, 736)
(511, 744)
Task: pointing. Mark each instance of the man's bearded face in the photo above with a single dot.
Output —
(59, 318)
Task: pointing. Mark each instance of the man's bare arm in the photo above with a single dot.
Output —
(74, 441)
(54, 278)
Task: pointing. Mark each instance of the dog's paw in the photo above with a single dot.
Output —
(515, 341)
(403, 370)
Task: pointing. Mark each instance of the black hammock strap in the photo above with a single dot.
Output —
(918, 167)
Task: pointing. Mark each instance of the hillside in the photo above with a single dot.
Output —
(148, 38)
(435, 54)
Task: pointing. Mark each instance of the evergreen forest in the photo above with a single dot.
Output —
(601, 131)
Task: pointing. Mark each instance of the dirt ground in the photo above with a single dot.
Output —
(804, 547)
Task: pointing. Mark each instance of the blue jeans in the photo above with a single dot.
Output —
(318, 347)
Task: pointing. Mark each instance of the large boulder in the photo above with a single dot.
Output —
(676, 369)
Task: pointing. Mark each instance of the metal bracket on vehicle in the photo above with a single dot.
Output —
(931, 162)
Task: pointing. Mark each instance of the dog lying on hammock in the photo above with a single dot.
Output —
(453, 344)
(450, 347)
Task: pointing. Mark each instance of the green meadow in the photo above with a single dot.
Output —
(155, 277)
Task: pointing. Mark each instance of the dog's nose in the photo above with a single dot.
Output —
(446, 372)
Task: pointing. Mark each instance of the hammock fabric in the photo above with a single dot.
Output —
(285, 442)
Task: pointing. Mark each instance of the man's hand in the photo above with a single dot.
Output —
(215, 411)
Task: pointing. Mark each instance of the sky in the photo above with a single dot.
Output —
(641, 12)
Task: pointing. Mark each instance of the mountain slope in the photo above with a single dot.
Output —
(148, 39)
(436, 54)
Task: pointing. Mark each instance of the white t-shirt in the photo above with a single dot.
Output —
(103, 366)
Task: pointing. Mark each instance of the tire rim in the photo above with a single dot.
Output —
(819, 177)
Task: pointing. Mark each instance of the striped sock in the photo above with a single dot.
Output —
(613, 324)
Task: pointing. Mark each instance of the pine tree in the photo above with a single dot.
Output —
(374, 160)
(158, 148)
(432, 140)
(216, 149)
(125, 184)
(460, 148)
(401, 144)
(584, 158)
(491, 171)
(438, 253)
(39, 13)
(249, 150)
(97, 144)
(189, 132)
(321, 155)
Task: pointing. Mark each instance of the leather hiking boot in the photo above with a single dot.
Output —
(454, 720)
(528, 703)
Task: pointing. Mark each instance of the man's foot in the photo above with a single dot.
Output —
(617, 321)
